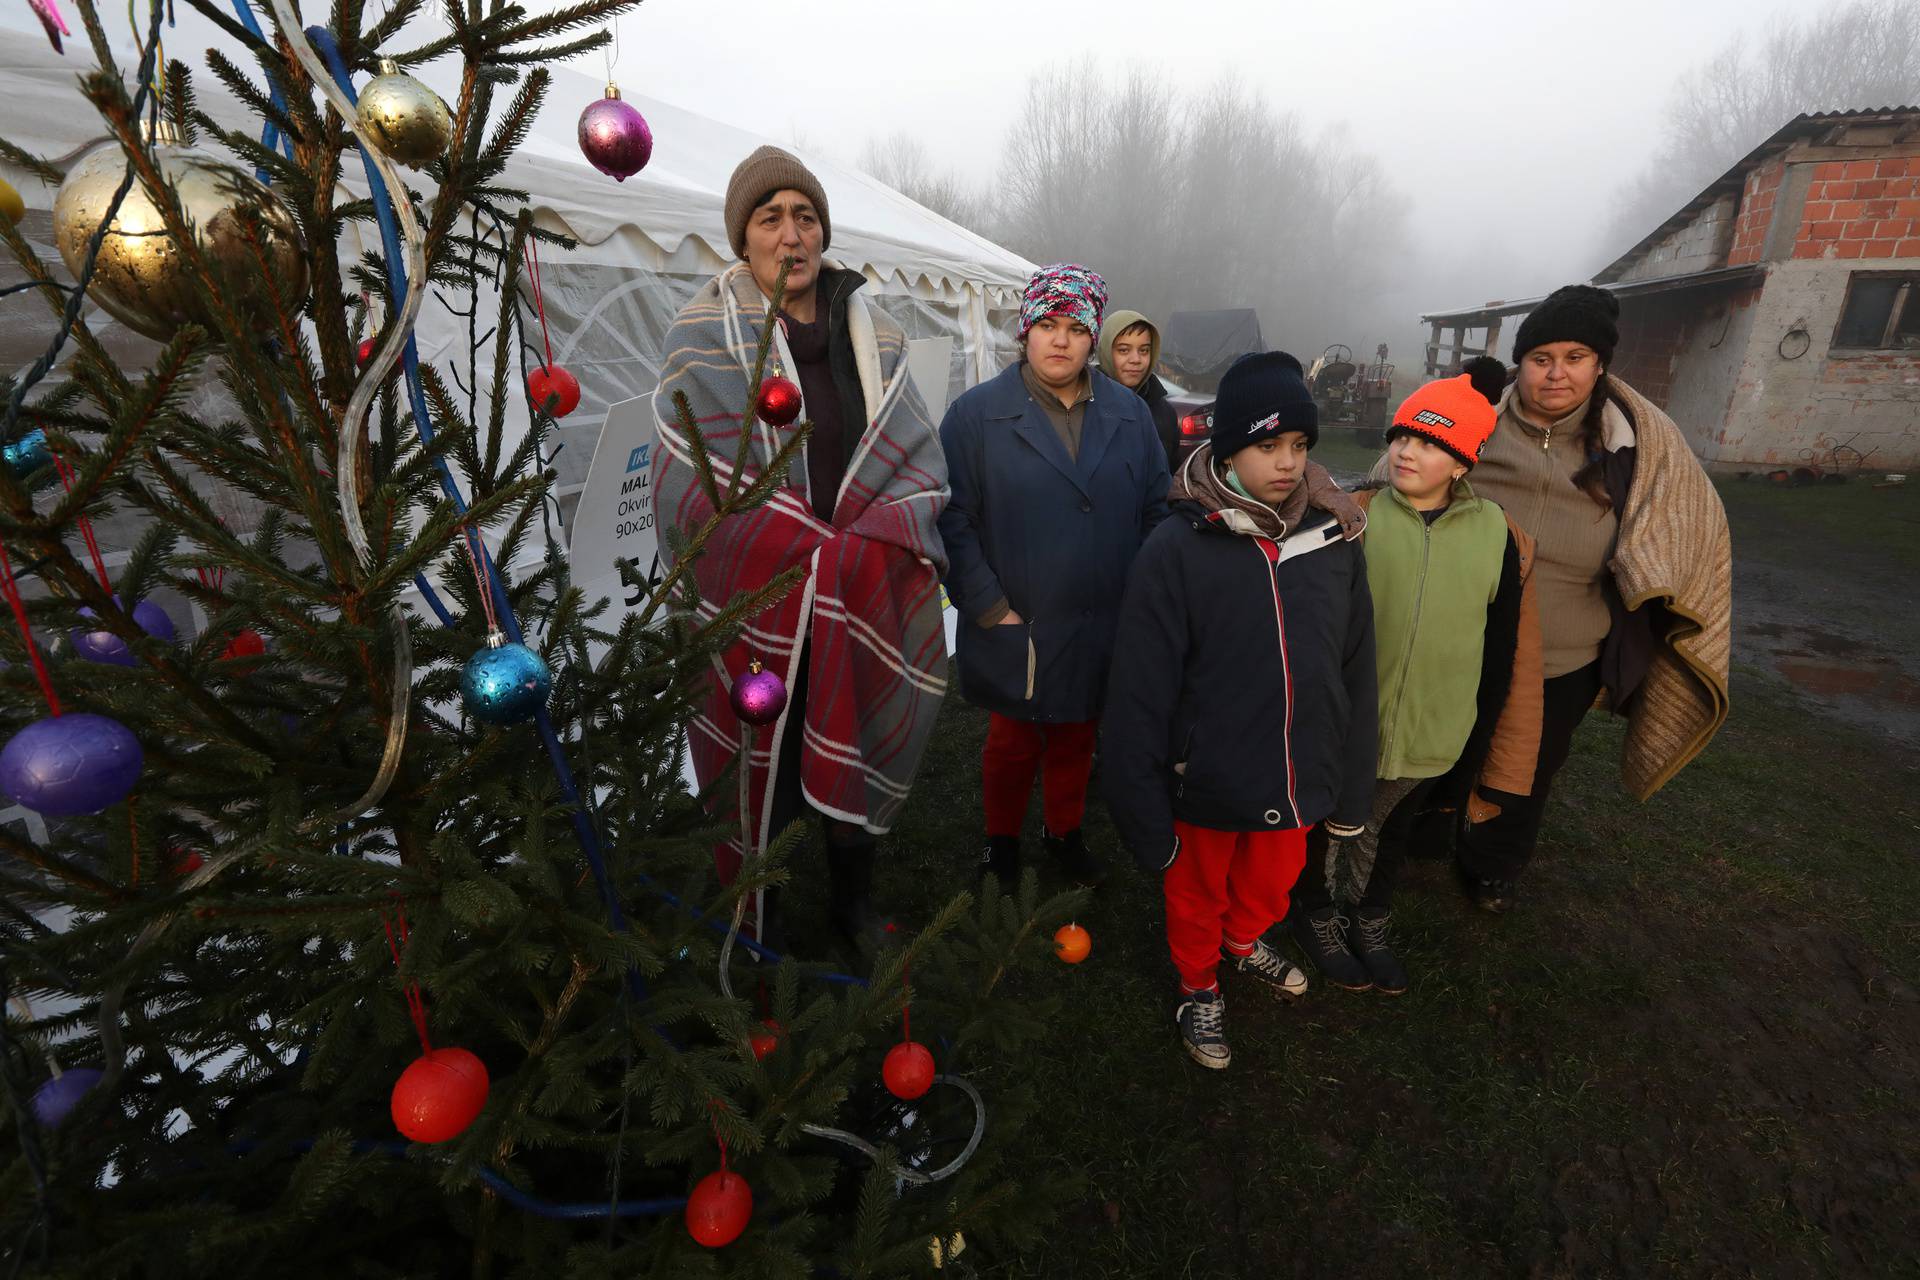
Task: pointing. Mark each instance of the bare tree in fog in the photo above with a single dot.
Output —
(900, 160)
(1864, 54)
(1201, 203)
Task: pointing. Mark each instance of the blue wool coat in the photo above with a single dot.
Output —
(1051, 534)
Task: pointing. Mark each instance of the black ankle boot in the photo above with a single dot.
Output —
(1001, 860)
(850, 897)
(1077, 862)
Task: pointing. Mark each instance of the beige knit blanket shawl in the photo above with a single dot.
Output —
(1674, 547)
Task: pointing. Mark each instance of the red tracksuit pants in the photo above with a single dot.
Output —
(1226, 888)
(1063, 756)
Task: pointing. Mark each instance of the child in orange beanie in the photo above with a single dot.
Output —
(1457, 656)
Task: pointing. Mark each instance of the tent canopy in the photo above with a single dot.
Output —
(1201, 344)
(643, 245)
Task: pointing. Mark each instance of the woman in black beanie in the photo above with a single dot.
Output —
(1633, 571)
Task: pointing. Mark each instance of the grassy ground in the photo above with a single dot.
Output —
(1691, 1051)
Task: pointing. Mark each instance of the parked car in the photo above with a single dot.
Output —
(1193, 411)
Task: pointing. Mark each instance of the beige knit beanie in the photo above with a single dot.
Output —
(765, 171)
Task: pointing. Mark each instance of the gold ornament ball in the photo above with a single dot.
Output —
(408, 121)
(140, 277)
(12, 207)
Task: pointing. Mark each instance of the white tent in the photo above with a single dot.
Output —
(644, 245)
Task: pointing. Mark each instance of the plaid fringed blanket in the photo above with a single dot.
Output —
(870, 604)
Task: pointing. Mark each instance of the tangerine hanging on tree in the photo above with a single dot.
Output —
(1072, 943)
(555, 392)
(246, 643)
(779, 402)
(719, 1208)
(614, 136)
(439, 1094)
(908, 1070)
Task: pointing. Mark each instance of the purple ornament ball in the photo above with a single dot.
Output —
(614, 137)
(55, 1100)
(104, 646)
(71, 764)
(759, 696)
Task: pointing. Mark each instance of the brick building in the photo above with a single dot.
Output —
(1777, 315)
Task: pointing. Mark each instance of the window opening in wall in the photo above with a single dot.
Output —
(1882, 312)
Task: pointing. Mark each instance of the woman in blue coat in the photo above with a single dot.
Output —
(1057, 478)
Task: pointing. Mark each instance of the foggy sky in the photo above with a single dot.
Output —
(1509, 126)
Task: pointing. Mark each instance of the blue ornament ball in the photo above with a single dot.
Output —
(104, 646)
(504, 683)
(55, 1100)
(71, 764)
(28, 454)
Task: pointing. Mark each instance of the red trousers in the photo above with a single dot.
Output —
(1063, 753)
(1226, 887)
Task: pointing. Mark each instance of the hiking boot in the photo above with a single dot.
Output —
(1002, 858)
(1076, 861)
(1322, 936)
(1202, 1018)
(1491, 894)
(1370, 943)
(1268, 965)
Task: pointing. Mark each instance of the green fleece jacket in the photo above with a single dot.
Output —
(1431, 586)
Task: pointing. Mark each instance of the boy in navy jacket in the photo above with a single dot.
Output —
(1241, 709)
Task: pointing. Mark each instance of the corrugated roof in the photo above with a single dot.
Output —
(1735, 178)
(1476, 317)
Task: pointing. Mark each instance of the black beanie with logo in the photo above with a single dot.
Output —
(1262, 395)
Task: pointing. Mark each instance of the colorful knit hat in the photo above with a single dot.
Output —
(1455, 413)
(1063, 289)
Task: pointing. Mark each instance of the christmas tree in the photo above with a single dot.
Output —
(376, 932)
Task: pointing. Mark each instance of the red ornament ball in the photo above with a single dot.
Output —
(779, 402)
(759, 696)
(765, 1041)
(908, 1070)
(439, 1094)
(1072, 943)
(183, 861)
(246, 644)
(719, 1208)
(366, 349)
(554, 390)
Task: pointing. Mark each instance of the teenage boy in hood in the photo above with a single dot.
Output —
(1129, 349)
(1241, 706)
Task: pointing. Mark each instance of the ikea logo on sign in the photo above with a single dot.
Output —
(637, 459)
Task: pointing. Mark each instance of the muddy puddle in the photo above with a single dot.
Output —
(1855, 678)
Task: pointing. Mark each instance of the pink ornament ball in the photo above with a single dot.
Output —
(719, 1208)
(553, 390)
(907, 1070)
(439, 1095)
(614, 137)
(759, 696)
